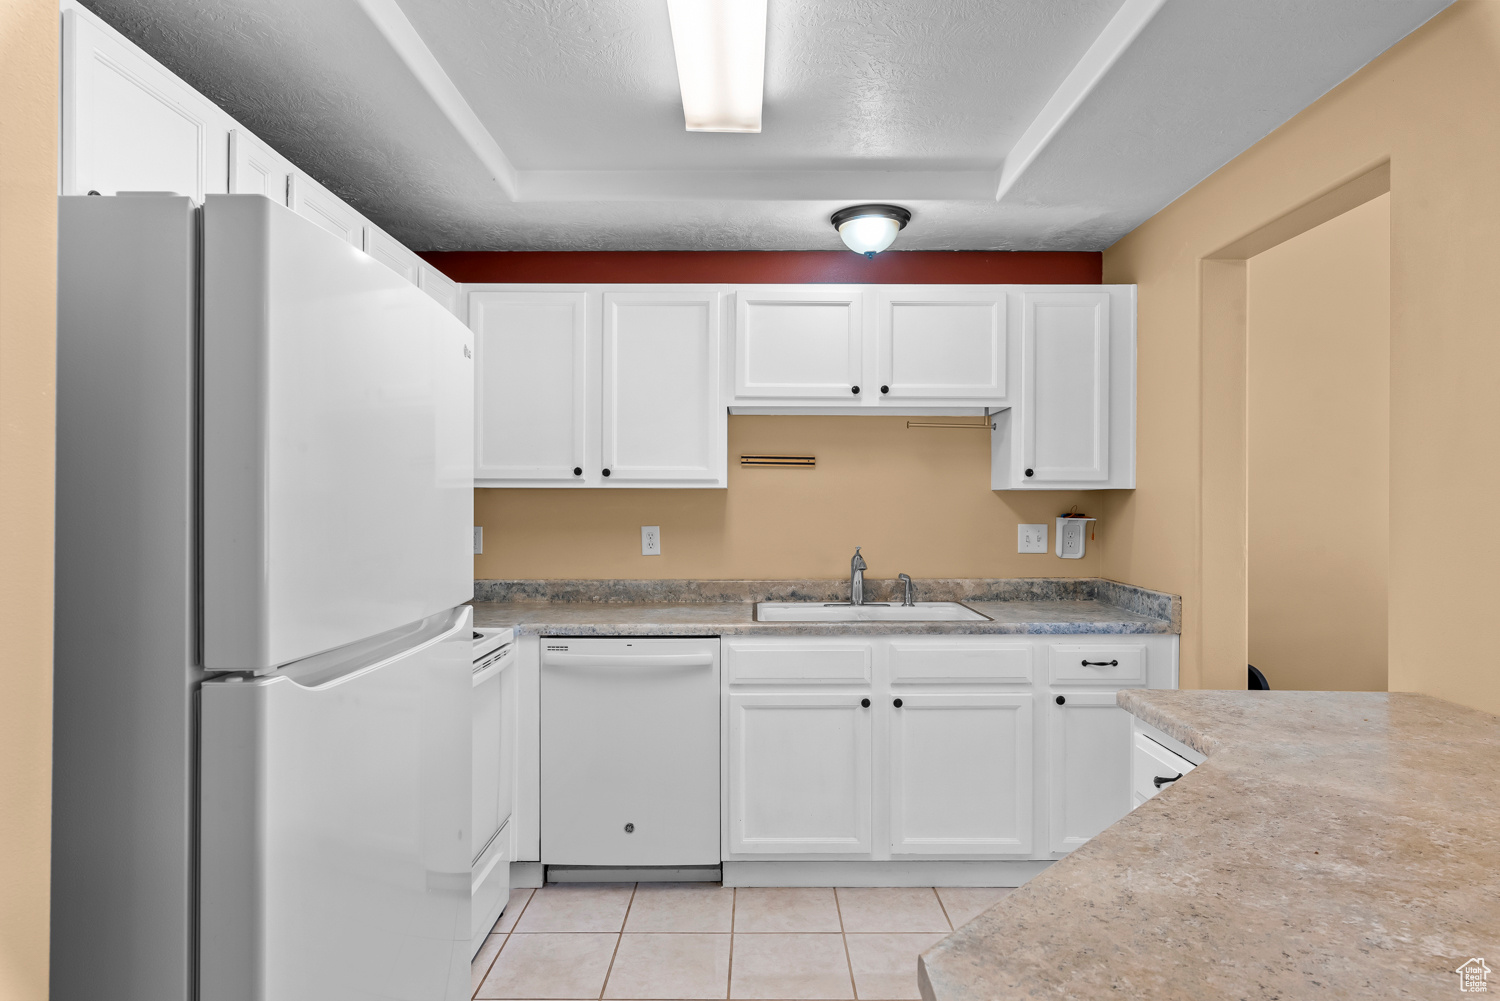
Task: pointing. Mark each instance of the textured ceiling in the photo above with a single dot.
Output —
(920, 102)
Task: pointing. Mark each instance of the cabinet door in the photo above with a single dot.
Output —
(1088, 766)
(439, 286)
(663, 420)
(393, 254)
(530, 406)
(961, 775)
(799, 773)
(799, 342)
(1065, 388)
(130, 125)
(941, 343)
(256, 169)
(311, 200)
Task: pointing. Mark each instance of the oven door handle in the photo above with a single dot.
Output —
(494, 667)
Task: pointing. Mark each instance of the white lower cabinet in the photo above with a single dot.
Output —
(929, 747)
(961, 774)
(799, 773)
(1088, 766)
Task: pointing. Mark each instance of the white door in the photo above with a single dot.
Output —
(256, 169)
(129, 125)
(941, 343)
(531, 400)
(799, 773)
(799, 342)
(1065, 388)
(311, 200)
(663, 421)
(1088, 766)
(961, 774)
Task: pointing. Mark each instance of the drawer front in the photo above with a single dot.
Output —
(1097, 664)
(1149, 761)
(750, 662)
(959, 662)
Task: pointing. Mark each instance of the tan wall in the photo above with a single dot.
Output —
(1318, 477)
(28, 275)
(918, 501)
(1428, 106)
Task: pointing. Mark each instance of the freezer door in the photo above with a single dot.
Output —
(335, 852)
(337, 442)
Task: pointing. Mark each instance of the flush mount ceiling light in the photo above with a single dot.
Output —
(869, 229)
(721, 62)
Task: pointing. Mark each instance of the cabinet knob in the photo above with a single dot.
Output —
(577, 470)
(897, 703)
(854, 390)
(1061, 701)
(884, 390)
(1031, 472)
(864, 703)
(629, 828)
(606, 472)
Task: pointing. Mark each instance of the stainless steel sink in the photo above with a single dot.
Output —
(840, 611)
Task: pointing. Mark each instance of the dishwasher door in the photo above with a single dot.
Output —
(630, 752)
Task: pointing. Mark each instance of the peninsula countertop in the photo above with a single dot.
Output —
(727, 608)
(1332, 845)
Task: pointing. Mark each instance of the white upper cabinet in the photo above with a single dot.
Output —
(663, 421)
(393, 254)
(130, 125)
(800, 343)
(311, 200)
(936, 343)
(438, 285)
(531, 402)
(961, 774)
(1073, 425)
(256, 169)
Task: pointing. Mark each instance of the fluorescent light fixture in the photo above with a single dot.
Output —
(869, 229)
(721, 62)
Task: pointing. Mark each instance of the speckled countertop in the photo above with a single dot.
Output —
(1332, 845)
(727, 608)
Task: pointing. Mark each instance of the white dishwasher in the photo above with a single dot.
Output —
(630, 752)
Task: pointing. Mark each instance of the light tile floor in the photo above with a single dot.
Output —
(688, 941)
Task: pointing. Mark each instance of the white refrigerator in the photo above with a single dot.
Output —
(264, 506)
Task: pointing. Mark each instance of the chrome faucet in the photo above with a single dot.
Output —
(909, 599)
(857, 570)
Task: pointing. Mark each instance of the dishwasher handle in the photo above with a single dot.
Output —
(628, 660)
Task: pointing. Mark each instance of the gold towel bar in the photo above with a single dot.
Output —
(778, 460)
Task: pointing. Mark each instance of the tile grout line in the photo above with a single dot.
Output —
(734, 909)
(620, 935)
(844, 938)
(944, 908)
(506, 936)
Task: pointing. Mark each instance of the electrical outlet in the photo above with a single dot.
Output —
(478, 540)
(1070, 537)
(1031, 538)
(650, 540)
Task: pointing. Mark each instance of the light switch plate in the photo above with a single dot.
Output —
(650, 540)
(1031, 538)
(478, 540)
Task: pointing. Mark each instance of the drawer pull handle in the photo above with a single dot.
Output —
(1101, 663)
(1162, 780)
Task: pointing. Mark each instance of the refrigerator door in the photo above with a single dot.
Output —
(337, 442)
(335, 855)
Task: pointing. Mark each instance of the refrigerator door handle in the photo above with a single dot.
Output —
(359, 668)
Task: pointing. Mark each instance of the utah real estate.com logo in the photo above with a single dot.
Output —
(1473, 977)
